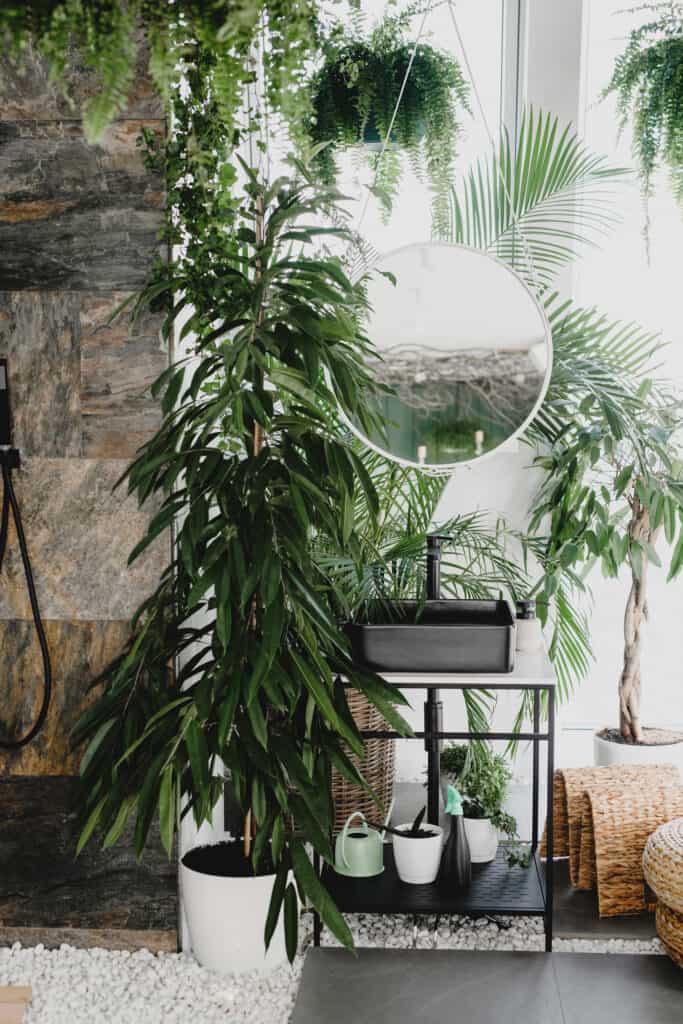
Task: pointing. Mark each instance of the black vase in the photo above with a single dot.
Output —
(456, 865)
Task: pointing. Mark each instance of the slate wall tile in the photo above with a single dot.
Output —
(80, 535)
(119, 363)
(79, 651)
(40, 336)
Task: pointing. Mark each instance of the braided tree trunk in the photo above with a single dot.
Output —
(635, 618)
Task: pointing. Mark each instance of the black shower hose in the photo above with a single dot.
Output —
(9, 502)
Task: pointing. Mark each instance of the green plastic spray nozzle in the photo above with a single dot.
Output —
(453, 801)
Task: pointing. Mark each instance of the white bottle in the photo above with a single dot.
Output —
(529, 632)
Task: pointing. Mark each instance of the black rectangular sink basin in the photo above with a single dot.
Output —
(438, 636)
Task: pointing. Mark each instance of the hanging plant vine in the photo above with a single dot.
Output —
(354, 96)
(107, 38)
(648, 83)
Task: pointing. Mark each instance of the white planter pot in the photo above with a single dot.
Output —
(226, 918)
(606, 753)
(482, 838)
(418, 860)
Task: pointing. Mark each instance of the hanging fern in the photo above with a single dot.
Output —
(354, 95)
(105, 37)
(648, 82)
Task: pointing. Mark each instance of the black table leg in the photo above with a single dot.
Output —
(433, 713)
(549, 836)
(317, 926)
(535, 772)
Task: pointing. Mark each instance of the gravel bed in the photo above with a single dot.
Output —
(71, 985)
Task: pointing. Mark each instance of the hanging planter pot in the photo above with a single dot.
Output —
(226, 906)
(364, 82)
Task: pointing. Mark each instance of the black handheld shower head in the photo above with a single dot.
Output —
(5, 421)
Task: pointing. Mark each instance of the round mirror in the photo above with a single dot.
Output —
(465, 349)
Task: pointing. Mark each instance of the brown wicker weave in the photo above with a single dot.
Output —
(569, 786)
(560, 822)
(621, 823)
(376, 767)
(663, 864)
(670, 930)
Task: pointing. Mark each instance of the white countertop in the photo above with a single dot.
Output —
(529, 670)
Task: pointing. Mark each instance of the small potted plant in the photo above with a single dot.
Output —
(354, 96)
(417, 851)
(482, 778)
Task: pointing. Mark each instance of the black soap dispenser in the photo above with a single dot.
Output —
(456, 864)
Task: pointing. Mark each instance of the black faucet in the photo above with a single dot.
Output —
(434, 565)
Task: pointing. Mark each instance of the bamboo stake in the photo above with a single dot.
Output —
(257, 448)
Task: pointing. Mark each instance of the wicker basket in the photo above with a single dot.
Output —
(569, 785)
(376, 766)
(621, 822)
(670, 931)
(663, 864)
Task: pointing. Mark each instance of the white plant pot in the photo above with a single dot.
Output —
(482, 838)
(226, 918)
(606, 753)
(418, 860)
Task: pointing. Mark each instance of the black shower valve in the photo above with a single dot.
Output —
(9, 458)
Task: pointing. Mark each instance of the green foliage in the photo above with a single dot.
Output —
(482, 781)
(648, 82)
(551, 190)
(354, 95)
(246, 465)
(106, 37)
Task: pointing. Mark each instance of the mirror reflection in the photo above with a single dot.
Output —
(464, 347)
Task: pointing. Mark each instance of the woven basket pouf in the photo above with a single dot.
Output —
(663, 864)
(670, 931)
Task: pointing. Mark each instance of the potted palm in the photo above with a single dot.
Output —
(482, 777)
(247, 467)
(354, 95)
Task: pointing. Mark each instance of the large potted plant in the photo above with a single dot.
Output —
(249, 470)
(354, 96)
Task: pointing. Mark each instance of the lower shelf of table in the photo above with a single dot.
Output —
(495, 889)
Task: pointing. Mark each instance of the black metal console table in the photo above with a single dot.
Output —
(495, 888)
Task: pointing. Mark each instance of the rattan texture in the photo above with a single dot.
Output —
(622, 822)
(376, 766)
(663, 864)
(569, 786)
(670, 930)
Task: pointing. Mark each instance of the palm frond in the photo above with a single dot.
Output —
(554, 194)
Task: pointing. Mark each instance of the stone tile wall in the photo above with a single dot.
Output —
(79, 231)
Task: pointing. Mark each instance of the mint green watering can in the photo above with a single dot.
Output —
(359, 849)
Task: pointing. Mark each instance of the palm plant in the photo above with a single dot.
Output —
(535, 209)
(389, 563)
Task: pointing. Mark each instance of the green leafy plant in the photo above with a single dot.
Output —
(106, 37)
(246, 467)
(648, 82)
(482, 778)
(354, 95)
(607, 435)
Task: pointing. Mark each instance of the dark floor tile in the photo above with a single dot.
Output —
(385, 986)
(603, 988)
(576, 914)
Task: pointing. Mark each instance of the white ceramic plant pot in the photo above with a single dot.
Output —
(482, 839)
(606, 753)
(226, 918)
(418, 860)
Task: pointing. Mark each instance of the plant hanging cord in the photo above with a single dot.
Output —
(487, 128)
